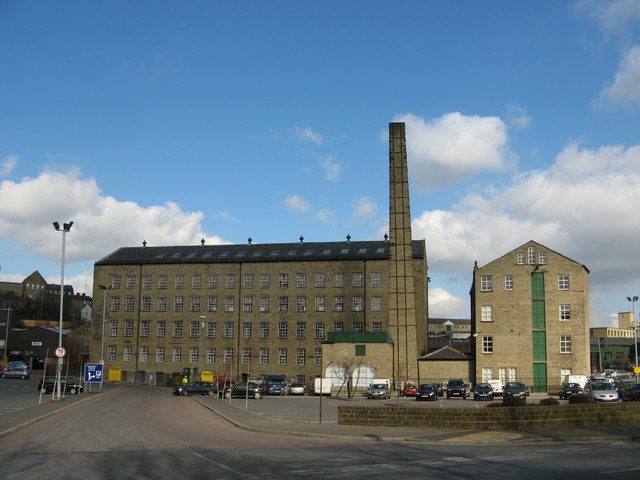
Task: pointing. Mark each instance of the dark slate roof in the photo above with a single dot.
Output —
(268, 252)
(358, 337)
(446, 353)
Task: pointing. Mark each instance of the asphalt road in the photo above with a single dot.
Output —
(137, 433)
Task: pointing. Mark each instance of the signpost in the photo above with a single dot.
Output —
(93, 373)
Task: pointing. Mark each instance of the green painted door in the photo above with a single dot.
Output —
(537, 285)
(540, 377)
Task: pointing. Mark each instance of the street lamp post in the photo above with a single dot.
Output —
(6, 336)
(633, 301)
(201, 355)
(66, 227)
(104, 319)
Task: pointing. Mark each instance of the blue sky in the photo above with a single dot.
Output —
(172, 121)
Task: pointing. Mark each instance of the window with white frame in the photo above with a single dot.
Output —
(338, 280)
(247, 280)
(247, 304)
(161, 328)
(178, 304)
(487, 374)
(179, 281)
(283, 329)
(193, 354)
(486, 283)
(376, 303)
(113, 328)
(301, 329)
(357, 279)
(111, 353)
(146, 281)
(265, 280)
(283, 304)
(246, 355)
(129, 305)
(159, 354)
(542, 258)
(376, 326)
(531, 255)
(319, 330)
(131, 281)
(565, 312)
(145, 305)
(357, 304)
(177, 355)
(376, 279)
(282, 356)
(115, 303)
(301, 304)
(144, 328)
(229, 304)
(213, 281)
(211, 355)
(128, 328)
(319, 280)
(194, 329)
(264, 356)
(508, 282)
(565, 343)
(231, 281)
(502, 375)
(487, 313)
(301, 280)
(520, 258)
(513, 374)
(358, 326)
(127, 353)
(162, 304)
(196, 281)
(338, 326)
(246, 329)
(195, 304)
(564, 373)
(563, 282)
(162, 281)
(144, 354)
(228, 355)
(177, 329)
(318, 356)
(284, 280)
(487, 344)
(301, 356)
(338, 303)
(115, 281)
(264, 304)
(228, 329)
(320, 304)
(212, 304)
(212, 329)
(264, 329)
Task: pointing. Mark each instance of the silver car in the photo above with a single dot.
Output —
(15, 372)
(602, 391)
(378, 390)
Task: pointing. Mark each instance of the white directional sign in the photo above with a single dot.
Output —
(60, 352)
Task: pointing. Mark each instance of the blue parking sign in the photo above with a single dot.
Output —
(93, 373)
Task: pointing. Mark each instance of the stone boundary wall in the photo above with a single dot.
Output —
(493, 418)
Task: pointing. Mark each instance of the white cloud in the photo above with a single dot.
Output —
(625, 88)
(324, 215)
(297, 204)
(101, 224)
(364, 208)
(613, 16)
(332, 170)
(7, 166)
(517, 116)
(442, 304)
(306, 134)
(453, 147)
(226, 215)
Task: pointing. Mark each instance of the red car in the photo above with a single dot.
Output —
(409, 390)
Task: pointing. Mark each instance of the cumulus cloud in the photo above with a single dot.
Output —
(442, 304)
(101, 223)
(625, 88)
(613, 16)
(332, 170)
(306, 134)
(453, 147)
(226, 215)
(517, 116)
(363, 208)
(297, 204)
(8, 164)
(326, 216)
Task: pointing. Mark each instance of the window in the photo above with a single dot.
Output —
(247, 304)
(144, 354)
(531, 251)
(264, 329)
(246, 329)
(301, 304)
(357, 304)
(318, 356)
(246, 355)
(283, 304)
(115, 281)
(177, 354)
(248, 280)
(162, 281)
(338, 304)
(128, 328)
(162, 304)
(487, 374)
(301, 330)
(513, 374)
(144, 328)
(301, 356)
(113, 328)
(319, 304)
(338, 326)
(265, 280)
(264, 356)
(212, 304)
(264, 304)
(228, 354)
(195, 281)
(356, 280)
(212, 329)
(487, 344)
(193, 354)
(338, 280)
(159, 354)
(177, 329)
(319, 330)
(161, 328)
(361, 351)
(565, 343)
(284, 280)
(358, 327)
(319, 282)
(231, 281)
(130, 303)
(282, 356)
(376, 279)
(520, 258)
(486, 283)
(179, 281)
(131, 281)
(301, 280)
(195, 304)
(508, 282)
(213, 281)
(146, 281)
(376, 304)
(487, 313)
(229, 304)
(283, 330)
(376, 326)
(211, 355)
(563, 282)
(115, 304)
(542, 258)
(178, 304)
(194, 329)
(502, 375)
(145, 306)
(112, 353)
(228, 330)
(565, 312)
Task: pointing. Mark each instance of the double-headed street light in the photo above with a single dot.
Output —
(66, 227)
(633, 301)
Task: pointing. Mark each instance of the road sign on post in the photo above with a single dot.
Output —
(60, 352)
(93, 373)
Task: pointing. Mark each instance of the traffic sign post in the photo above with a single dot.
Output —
(60, 352)
(93, 373)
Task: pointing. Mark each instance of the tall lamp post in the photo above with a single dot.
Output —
(633, 301)
(201, 354)
(104, 319)
(66, 227)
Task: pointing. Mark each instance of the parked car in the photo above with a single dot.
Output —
(483, 391)
(378, 390)
(629, 391)
(568, 389)
(602, 391)
(409, 390)
(298, 389)
(15, 372)
(427, 391)
(196, 388)
(456, 388)
(67, 384)
(18, 364)
(498, 387)
(516, 389)
(244, 389)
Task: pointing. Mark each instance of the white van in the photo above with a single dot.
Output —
(497, 386)
(579, 379)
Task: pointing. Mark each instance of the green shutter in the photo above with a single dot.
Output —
(537, 312)
(539, 346)
(537, 285)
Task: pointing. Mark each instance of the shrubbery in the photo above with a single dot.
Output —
(514, 402)
(549, 401)
(580, 398)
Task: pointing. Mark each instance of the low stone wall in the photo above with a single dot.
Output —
(492, 418)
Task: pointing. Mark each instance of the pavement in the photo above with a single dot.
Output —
(256, 421)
